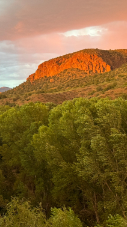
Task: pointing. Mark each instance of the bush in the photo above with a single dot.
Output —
(2, 96)
(124, 96)
(64, 218)
(115, 221)
(91, 92)
(99, 88)
(20, 213)
(11, 104)
(16, 98)
(110, 86)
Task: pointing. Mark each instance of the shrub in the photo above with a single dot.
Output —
(20, 213)
(2, 96)
(115, 221)
(64, 218)
(124, 96)
(110, 86)
(99, 88)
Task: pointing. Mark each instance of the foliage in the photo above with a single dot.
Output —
(64, 218)
(71, 155)
(21, 213)
(115, 221)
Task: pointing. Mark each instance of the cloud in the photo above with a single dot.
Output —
(21, 58)
(92, 31)
(37, 17)
(108, 36)
(35, 31)
(17, 62)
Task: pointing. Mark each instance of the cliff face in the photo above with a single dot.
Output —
(91, 61)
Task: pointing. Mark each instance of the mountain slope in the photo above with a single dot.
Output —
(74, 82)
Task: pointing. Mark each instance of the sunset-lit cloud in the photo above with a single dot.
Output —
(91, 31)
(36, 31)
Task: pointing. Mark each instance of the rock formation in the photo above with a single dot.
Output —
(91, 61)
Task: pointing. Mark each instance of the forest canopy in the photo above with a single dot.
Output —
(70, 158)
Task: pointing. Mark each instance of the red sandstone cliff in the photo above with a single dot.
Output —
(91, 61)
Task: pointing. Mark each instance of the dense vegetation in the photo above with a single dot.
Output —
(64, 165)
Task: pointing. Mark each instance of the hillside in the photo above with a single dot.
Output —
(74, 82)
(88, 60)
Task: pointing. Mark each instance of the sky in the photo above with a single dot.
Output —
(34, 31)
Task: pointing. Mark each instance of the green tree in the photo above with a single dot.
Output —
(85, 147)
(64, 218)
(18, 164)
(20, 214)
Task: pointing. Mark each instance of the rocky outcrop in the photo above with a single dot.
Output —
(91, 61)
